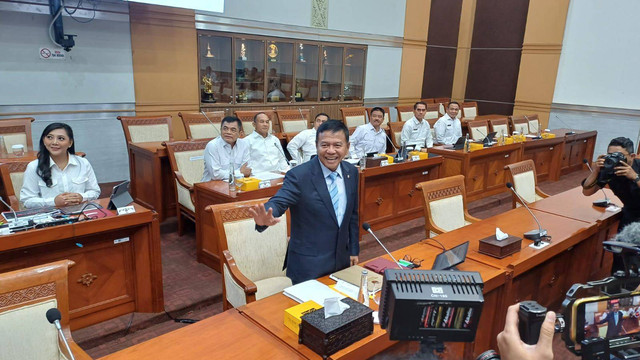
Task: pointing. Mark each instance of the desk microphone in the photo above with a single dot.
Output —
(388, 138)
(366, 227)
(54, 316)
(602, 202)
(570, 132)
(210, 122)
(535, 235)
(17, 224)
(282, 152)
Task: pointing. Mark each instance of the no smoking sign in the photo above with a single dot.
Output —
(52, 54)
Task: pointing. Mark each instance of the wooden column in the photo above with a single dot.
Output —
(414, 49)
(465, 35)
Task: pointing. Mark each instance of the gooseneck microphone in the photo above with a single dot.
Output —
(54, 316)
(16, 224)
(211, 122)
(388, 138)
(570, 132)
(282, 152)
(366, 227)
(602, 202)
(535, 235)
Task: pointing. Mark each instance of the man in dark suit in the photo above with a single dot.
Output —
(613, 319)
(322, 195)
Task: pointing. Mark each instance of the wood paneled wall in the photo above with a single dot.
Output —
(414, 48)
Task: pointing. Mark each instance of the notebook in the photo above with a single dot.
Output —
(311, 290)
(352, 275)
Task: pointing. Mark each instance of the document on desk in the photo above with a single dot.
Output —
(267, 175)
(311, 290)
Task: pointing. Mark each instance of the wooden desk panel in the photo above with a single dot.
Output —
(108, 279)
(228, 335)
(217, 192)
(387, 194)
(152, 183)
(483, 169)
(577, 146)
(546, 155)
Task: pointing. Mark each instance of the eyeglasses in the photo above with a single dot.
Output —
(415, 261)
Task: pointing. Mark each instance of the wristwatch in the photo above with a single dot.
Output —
(637, 178)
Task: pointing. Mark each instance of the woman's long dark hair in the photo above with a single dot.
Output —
(44, 165)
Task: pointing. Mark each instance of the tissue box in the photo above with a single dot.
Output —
(326, 336)
(422, 155)
(248, 183)
(508, 140)
(293, 314)
(548, 135)
(389, 158)
(475, 146)
(499, 249)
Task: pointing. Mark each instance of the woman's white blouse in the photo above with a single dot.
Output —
(76, 177)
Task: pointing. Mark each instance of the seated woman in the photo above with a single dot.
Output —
(58, 177)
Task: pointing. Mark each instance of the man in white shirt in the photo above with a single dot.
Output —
(448, 128)
(226, 151)
(370, 138)
(265, 151)
(305, 141)
(416, 131)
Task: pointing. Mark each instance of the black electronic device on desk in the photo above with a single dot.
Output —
(120, 196)
(449, 259)
(459, 144)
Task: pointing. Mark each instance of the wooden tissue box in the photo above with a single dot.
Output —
(499, 249)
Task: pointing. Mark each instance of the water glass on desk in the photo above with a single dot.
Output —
(18, 149)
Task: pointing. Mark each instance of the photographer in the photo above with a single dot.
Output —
(619, 169)
(512, 347)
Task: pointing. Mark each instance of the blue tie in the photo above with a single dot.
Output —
(333, 192)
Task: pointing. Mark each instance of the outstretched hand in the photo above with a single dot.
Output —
(512, 347)
(262, 217)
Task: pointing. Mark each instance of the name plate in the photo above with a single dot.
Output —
(415, 157)
(264, 184)
(194, 158)
(384, 162)
(126, 210)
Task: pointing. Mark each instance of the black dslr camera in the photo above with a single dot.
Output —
(610, 162)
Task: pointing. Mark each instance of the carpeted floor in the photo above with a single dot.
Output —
(194, 291)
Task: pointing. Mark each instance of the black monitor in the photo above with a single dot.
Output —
(450, 258)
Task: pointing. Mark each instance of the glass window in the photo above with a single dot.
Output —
(353, 74)
(307, 72)
(331, 84)
(249, 56)
(215, 69)
(280, 71)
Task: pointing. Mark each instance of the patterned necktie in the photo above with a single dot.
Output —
(333, 191)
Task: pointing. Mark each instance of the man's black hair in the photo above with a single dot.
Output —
(452, 102)
(231, 120)
(623, 142)
(415, 106)
(321, 114)
(255, 117)
(333, 126)
(378, 109)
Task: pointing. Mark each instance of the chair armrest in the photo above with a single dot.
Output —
(182, 181)
(436, 229)
(13, 201)
(77, 351)
(541, 193)
(247, 285)
(470, 218)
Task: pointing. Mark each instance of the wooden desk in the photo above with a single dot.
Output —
(268, 313)
(108, 279)
(483, 169)
(387, 194)
(546, 155)
(576, 147)
(228, 335)
(217, 192)
(152, 183)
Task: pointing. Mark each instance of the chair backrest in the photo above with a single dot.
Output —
(385, 120)
(25, 297)
(444, 203)
(523, 177)
(433, 111)
(198, 127)
(257, 255)
(187, 157)
(353, 116)
(469, 109)
(16, 131)
(428, 100)
(146, 128)
(405, 112)
(442, 103)
(246, 116)
(533, 122)
(519, 124)
(12, 174)
(396, 132)
(500, 126)
(478, 129)
(294, 120)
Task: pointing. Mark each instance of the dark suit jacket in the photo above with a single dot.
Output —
(318, 246)
(613, 330)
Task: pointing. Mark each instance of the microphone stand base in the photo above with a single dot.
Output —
(541, 244)
(602, 203)
(535, 234)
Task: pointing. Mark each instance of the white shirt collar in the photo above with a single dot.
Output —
(370, 127)
(326, 171)
(72, 161)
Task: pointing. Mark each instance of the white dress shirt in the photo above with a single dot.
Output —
(417, 133)
(76, 177)
(266, 153)
(219, 155)
(305, 141)
(367, 140)
(342, 192)
(448, 130)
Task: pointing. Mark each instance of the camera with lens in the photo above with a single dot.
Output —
(610, 162)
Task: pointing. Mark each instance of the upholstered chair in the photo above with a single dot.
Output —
(519, 124)
(533, 122)
(16, 131)
(445, 205)
(396, 132)
(405, 112)
(433, 112)
(25, 297)
(294, 121)
(251, 261)
(353, 116)
(469, 109)
(500, 126)
(478, 129)
(196, 125)
(187, 163)
(523, 177)
(246, 116)
(147, 128)
(12, 174)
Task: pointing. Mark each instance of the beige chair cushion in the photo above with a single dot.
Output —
(234, 293)
(353, 121)
(204, 131)
(398, 137)
(448, 213)
(14, 139)
(385, 120)
(184, 197)
(521, 128)
(525, 185)
(533, 126)
(144, 133)
(191, 166)
(479, 133)
(501, 129)
(270, 286)
(17, 178)
(294, 125)
(470, 112)
(404, 116)
(27, 335)
(431, 115)
(441, 109)
(248, 128)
